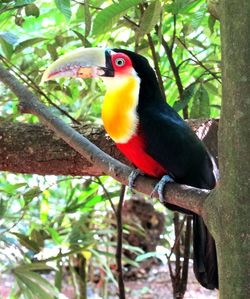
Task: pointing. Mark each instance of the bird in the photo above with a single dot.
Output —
(149, 132)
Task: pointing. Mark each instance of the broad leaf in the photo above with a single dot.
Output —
(10, 38)
(200, 107)
(87, 18)
(26, 242)
(23, 2)
(186, 97)
(150, 18)
(35, 284)
(108, 17)
(28, 43)
(64, 7)
(31, 193)
(7, 40)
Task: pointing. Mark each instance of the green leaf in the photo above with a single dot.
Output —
(150, 18)
(40, 52)
(38, 236)
(7, 40)
(26, 242)
(10, 38)
(108, 17)
(31, 193)
(200, 107)
(55, 236)
(212, 88)
(52, 51)
(7, 48)
(12, 188)
(35, 284)
(3, 207)
(182, 6)
(176, 6)
(23, 2)
(197, 18)
(186, 97)
(211, 23)
(32, 10)
(82, 38)
(28, 43)
(34, 266)
(64, 7)
(87, 18)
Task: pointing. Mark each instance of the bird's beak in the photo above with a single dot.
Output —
(81, 63)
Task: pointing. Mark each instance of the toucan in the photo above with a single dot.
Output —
(149, 132)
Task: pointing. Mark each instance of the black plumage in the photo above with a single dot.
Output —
(172, 143)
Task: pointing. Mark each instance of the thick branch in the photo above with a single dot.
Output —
(183, 196)
(32, 148)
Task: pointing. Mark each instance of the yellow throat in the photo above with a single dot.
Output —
(119, 107)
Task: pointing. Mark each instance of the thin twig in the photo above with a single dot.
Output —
(198, 61)
(174, 34)
(156, 64)
(118, 254)
(186, 254)
(107, 195)
(31, 83)
(174, 69)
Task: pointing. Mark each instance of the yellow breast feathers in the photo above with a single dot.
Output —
(119, 107)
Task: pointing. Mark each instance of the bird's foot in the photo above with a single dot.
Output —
(159, 187)
(132, 177)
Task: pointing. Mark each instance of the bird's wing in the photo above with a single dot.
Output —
(172, 143)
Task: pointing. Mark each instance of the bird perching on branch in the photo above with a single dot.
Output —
(148, 132)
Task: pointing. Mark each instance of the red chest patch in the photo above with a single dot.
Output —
(134, 151)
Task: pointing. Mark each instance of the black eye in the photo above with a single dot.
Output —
(119, 61)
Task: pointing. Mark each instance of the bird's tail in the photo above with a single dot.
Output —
(205, 258)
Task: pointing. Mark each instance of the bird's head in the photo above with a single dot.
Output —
(127, 76)
(99, 62)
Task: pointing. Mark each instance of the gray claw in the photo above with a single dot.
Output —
(159, 187)
(132, 177)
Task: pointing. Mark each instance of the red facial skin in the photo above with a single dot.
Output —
(125, 67)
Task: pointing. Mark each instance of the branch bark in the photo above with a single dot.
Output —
(184, 196)
(33, 148)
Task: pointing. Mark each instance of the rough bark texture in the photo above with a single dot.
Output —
(33, 148)
(229, 213)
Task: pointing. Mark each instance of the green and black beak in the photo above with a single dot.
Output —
(81, 63)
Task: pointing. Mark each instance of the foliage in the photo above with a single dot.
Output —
(69, 216)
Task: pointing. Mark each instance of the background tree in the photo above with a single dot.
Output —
(182, 39)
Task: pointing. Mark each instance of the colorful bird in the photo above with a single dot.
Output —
(148, 132)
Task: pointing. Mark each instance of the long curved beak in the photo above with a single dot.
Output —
(81, 63)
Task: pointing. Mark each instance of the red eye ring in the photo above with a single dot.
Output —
(120, 62)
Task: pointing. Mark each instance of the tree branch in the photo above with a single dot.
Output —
(156, 64)
(33, 148)
(196, 60)
(118, 253)
(184, 196)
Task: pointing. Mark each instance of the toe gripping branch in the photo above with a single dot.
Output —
(133, 176)
(159, 187)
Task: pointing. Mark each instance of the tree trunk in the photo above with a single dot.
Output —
(229, 210)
